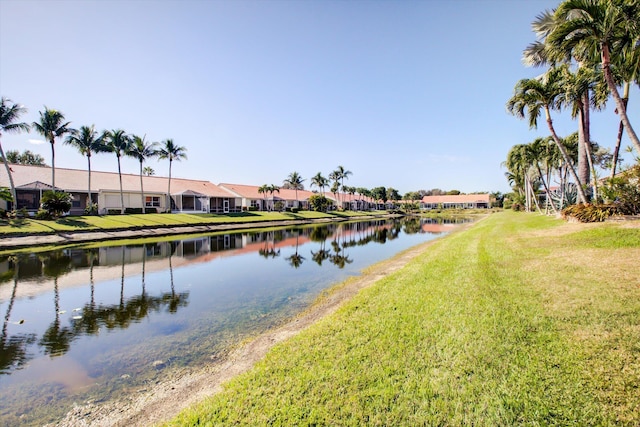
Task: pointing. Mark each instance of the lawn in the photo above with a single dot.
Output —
(118, 222)
(519, 320)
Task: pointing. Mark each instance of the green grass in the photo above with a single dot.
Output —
(118, 222)
(520, 320)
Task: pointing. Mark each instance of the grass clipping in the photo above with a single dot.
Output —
(521, 319)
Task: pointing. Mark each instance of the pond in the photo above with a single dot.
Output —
(90, 324)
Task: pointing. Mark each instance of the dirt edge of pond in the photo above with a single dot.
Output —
(187, 386)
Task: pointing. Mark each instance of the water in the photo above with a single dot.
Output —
(88, 324)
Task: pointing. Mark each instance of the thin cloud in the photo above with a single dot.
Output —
(37, 141)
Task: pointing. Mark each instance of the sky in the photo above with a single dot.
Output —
(404, 94)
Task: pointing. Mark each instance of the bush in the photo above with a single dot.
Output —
(130, 211)
(319, 203)
(56, 202)
(590, 213)
(43, 215)
(150, 210)
(91, 209)
(114, 211)
(624, 191)
(253, 208)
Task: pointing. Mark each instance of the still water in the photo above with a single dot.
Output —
(89, 324)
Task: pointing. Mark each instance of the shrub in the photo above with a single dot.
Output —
(253, 208)
(91, 209)
(590, 213)
(624, 191)
(130, 211)
(43, 215)
(150, 210)
(56, 202)
(319, 202)
(113, 211)
(278, 206)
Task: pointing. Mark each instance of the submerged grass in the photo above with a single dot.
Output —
(520, 320)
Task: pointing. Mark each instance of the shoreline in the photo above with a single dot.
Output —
(186, 386)
(77, 237)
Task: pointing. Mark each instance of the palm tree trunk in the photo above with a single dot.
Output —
(616, 150)
(546, 188)
(141, 189)
(90, 201)
(121, 194)
(53, 165)
(13, 186)
(169, 188)
(556, 139)
(622, 110)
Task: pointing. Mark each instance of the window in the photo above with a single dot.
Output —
(152, 201)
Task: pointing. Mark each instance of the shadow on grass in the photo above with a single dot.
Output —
(16, 223)
(73, 222)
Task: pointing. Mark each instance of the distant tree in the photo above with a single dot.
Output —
(294, 181)
(392, 194)
(340, 174)
(320, 182)
(379, 193)
(52, 125)
(271, 189)
(117, 141)
(25, 158)
(148, 171)
(87, 141)
(170, 151)
(318, 202)
(141, 150)
(264, 190)
(9, 115)
(453, 192)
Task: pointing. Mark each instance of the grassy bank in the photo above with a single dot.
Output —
(12, 227)
(520, 320)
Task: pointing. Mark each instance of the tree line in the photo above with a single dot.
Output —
(590, 52)
(53, 126)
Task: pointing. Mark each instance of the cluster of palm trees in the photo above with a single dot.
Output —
(590, 48)
(53, 125)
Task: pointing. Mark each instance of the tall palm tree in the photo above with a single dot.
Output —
(264, 189)
(319, 181)
(607, 27)
(117, 141)
(341, 173)
(294, 181)
(87, 141)
(52, 125)
(9, 114)
(273, 189)
(169, 150)
(141, 150)
(536, 96)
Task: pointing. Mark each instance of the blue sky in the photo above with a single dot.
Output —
(405, 94)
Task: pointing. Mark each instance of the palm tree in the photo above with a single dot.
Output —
(606, 27)
(52, 125)
(340, 174)
(535, 96)
(294, 181)
(141, 150)
(118, 142)
(9, 114)
(264, 189)
(319, 181)
(148, 171)
(169, 150)
(271, 189)
(87, 141)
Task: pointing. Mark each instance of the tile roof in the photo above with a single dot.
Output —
(251, 192)
(76, 180)
(459, 198)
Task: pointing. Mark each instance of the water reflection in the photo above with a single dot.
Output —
(49, 270)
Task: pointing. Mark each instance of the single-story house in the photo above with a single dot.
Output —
(187, 195)
(251, 198)
(459, 201)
